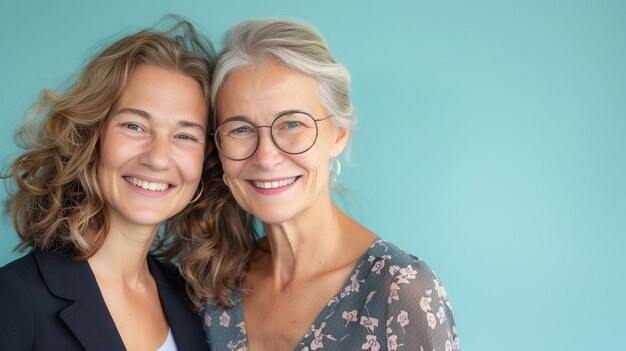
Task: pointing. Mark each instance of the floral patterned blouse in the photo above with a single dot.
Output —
(391, 301)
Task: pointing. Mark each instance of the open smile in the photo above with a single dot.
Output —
(274, 184)
(152, 186)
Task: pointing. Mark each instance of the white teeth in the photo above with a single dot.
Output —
(274, 184)
(147, 185)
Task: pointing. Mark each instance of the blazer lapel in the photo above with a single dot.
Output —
(87, 317)
(186, 325)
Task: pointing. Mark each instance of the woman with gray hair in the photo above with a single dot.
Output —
(317, 279)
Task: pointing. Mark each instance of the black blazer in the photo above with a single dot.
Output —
(50, 302)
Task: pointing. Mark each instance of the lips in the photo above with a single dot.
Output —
(274, 184)
(153, 186)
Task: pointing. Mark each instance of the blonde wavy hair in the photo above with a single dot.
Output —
(57, 202)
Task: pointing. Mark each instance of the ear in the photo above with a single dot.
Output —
(340, 141)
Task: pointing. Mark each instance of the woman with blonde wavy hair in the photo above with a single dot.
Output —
(317, 280)
(106, 164)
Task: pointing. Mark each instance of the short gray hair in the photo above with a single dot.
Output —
(295, 45)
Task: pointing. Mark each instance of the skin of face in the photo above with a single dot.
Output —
(258, 94)
(152, 147)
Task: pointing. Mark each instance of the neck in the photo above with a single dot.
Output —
(310, 244)
(122, 257)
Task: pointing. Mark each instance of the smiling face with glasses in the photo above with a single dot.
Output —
(276, 140)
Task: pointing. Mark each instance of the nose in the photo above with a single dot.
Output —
(267, 155)
(157, 153)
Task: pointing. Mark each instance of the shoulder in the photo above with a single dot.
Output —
(24, 263)
(397, 262)
(418, 312)
(406, 275)
(16, 290)
(18, 273)
(46, 273)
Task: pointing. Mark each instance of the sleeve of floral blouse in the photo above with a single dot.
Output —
(419, 316)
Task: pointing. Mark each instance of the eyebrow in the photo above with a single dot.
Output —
(246, 119)
(146, 115)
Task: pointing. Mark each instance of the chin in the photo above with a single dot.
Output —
(273, 218)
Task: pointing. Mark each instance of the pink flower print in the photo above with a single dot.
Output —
(448, 346)
(441, 291)
(224, 320)
(403, 319)
(425, 303)
(371, 343)
(389, 330)
(317, 342)
(441, 315)
(393, 270)
(392, 343)
(349, 316)
(208, 320)
(393, 292)
(233, 345)
(318, 332)
(242, 327)
(369, 323)
(332, 301)
(455, 341)
(378, 266)
(406, 274)
(432, 322)
(345, 292)
(354, 286)
(371, 258)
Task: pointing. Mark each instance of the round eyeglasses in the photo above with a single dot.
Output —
(292, 132)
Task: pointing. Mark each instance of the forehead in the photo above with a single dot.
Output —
(163, 93)
(267, 88)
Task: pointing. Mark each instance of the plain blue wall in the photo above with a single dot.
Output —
(491, 141)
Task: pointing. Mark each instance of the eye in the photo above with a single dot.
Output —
(186, 137)
(131, 126)
(240, 131)
(292, 124)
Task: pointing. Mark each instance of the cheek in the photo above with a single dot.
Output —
(231, 168)
(110, 159)
(316, 161)
(192, 164)
(318, 173)
(112, 156)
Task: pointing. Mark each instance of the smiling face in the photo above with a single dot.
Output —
(272, 185)
(152, 147)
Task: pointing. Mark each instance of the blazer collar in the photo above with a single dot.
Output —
(87, 317)
(186, 326)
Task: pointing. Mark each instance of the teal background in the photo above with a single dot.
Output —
(491, 141)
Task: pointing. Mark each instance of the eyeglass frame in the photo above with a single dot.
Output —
(258, 139)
